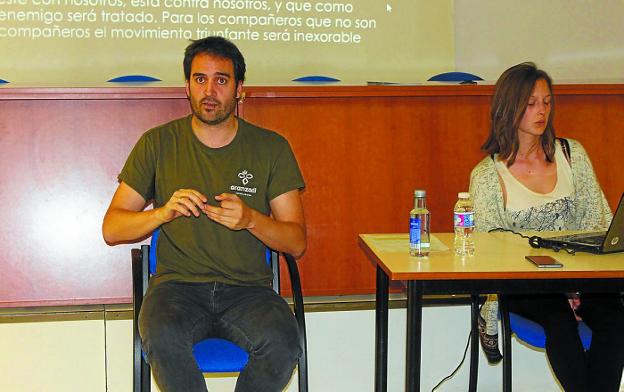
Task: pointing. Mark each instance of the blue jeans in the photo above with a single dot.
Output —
(176, 315)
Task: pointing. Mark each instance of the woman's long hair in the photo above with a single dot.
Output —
(511, 97)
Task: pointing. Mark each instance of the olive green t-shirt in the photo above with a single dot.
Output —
(258, 165)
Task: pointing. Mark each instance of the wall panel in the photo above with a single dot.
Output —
(362, 150)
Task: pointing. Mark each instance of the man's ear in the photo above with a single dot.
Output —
(187, 89)
(240, 95)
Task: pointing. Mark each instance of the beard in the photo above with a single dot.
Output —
(219, 114)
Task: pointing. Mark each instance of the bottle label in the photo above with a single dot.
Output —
(464, 219)
(414, 231)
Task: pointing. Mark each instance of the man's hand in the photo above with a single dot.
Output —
(183, 202)
(126, 220)
(233, 213)
(284, 231)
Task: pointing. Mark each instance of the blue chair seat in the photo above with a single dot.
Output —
(231, 357)
(533, 334)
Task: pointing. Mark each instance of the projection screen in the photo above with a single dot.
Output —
(88, 42)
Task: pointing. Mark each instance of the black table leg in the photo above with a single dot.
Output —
(474, 343)
(414, 327)
(381, 332)
(506, 338)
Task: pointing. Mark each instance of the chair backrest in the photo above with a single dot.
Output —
(454, 77)
(271, 259)
(152, 252)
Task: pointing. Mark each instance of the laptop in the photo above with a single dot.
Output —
(610, 241)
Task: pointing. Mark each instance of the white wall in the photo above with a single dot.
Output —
(341, 349)
(52, 356)
(570, 39)
(69, 355)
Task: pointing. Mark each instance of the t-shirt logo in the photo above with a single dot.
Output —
(245, 176)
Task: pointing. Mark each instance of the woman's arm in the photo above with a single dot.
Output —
(593, 211)
(487, 196)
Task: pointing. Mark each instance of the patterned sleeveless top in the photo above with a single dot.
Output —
(529, 210)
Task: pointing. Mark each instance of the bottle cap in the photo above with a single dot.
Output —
(463, 195)
(419, 193)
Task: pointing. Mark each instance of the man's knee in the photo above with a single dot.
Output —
(290, 343)
(282, 340)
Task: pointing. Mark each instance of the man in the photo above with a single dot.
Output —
(223, 190)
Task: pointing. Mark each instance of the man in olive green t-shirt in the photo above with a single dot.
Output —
(223, 190)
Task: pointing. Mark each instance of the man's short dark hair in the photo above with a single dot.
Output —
(219, 47)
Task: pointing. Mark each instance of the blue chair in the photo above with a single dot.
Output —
(212, 355)
(133, 79)
(461, 77)
(320, 79)
(530, 333)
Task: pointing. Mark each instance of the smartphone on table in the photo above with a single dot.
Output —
(544, 261)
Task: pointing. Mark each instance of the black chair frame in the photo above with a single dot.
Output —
(140, 280)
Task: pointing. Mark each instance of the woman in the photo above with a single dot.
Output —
(531, 180)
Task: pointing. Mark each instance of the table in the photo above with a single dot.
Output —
(498, 266)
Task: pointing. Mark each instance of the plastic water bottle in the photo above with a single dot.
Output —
(464, 225)
(419, 226)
